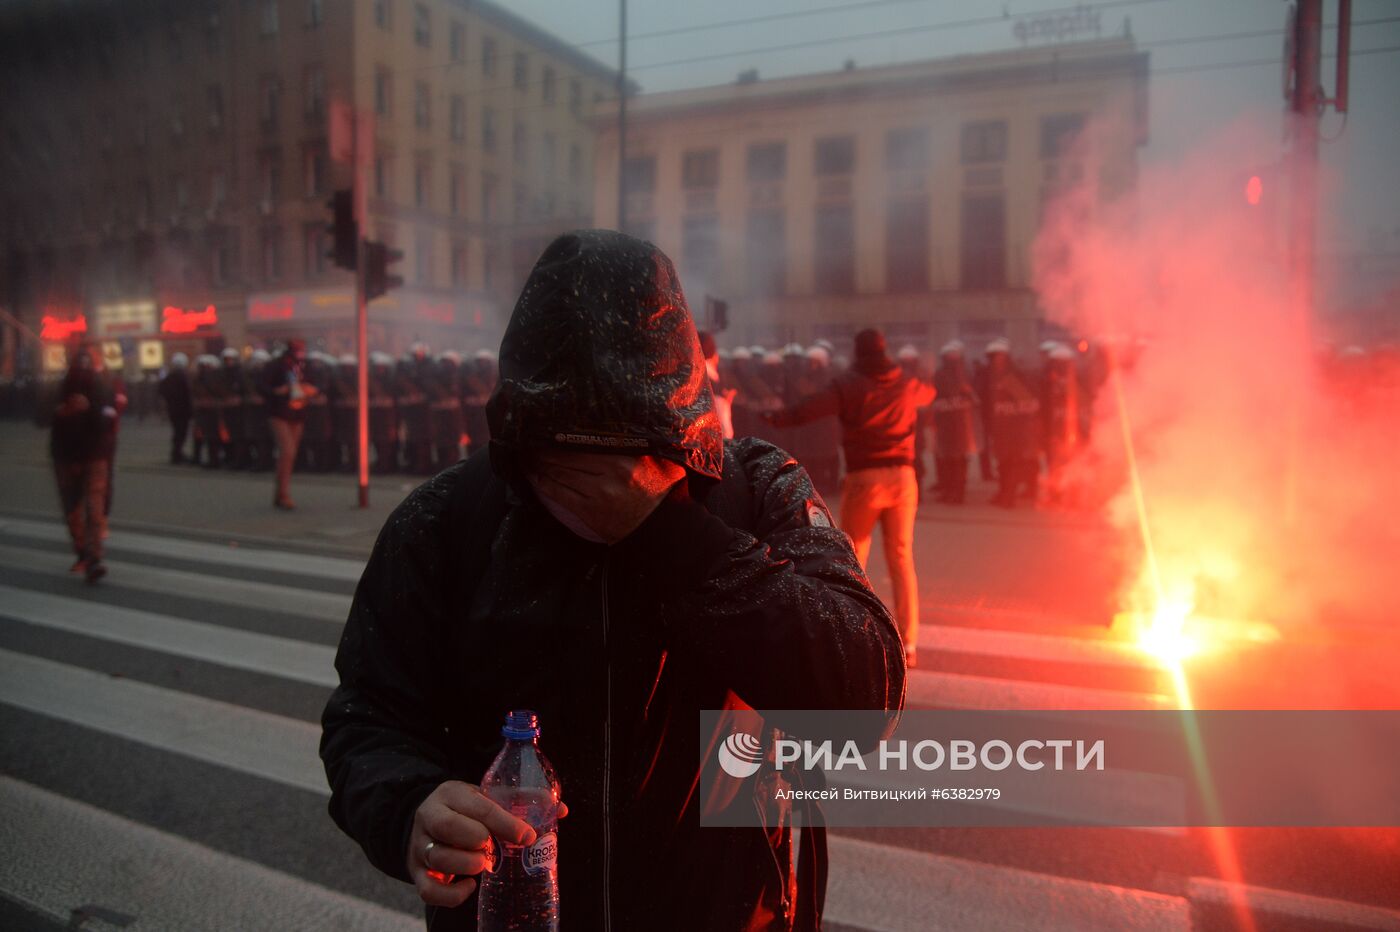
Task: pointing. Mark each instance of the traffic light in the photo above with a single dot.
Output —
(378, 281)
(342, 230)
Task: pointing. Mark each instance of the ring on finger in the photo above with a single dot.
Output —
(427, 851)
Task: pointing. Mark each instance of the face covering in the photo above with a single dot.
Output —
(566, 517)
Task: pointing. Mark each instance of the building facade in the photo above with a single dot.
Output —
(905, 196)
(167, 165)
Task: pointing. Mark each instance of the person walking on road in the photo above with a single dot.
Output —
(612, 563)
(286, 393)
(878, 406)
(81, 441)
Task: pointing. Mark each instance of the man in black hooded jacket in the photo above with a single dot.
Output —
(616, 566)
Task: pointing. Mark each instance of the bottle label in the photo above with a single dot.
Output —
(539, 858)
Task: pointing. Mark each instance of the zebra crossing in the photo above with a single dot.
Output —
(159, 768)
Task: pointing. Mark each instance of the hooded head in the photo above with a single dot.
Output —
(601, 356)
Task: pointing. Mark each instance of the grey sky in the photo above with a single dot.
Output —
(1364, 161)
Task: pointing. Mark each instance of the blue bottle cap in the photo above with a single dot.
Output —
(521, 725)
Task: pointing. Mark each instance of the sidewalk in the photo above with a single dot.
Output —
(977, 564)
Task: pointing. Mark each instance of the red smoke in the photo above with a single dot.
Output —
(1268, 473)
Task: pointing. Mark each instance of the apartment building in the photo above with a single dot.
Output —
(166, 165)
(905, 196)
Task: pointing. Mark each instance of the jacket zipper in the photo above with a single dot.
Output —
(607, 762)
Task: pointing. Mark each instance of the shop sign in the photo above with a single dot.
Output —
(126, 318)
(151, 354)
(59, 327)
(183, 320)
(55, 359)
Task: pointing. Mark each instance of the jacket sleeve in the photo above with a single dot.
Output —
(381, 739)
(819, 405)
(785, 615)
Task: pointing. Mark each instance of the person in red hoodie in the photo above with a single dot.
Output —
(878, 406)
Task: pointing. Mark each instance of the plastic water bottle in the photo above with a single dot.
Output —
(521, 892)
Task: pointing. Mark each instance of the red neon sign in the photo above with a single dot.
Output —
(55, 328)
(180, 320)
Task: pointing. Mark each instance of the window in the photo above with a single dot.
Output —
(1058, 133)
(213, 40)
(270, 176)
(459, 264)
(422, 112)
(383, 92)
(547, 155)
(547, 85)
(315, 93)
(271, 110)
(383, 176)
(315, 13)
(906, 150)
(984, 141)
(488, 129)
(383, 14)
(223, 255)
(983, 241)
(422, 181)
(518, 148)
(700, 250)
(488, 197)
(489, 263)
(575, 162)
(267, 22)
(907, 245)
(522, 72)
(215, 98)
(314, 246)
(272, 255)
(423, 259)
(700, 169)
(767, 162)
(422, 26)
(765, 253)
(457, 118)
(145, 200)
(639, 174)
(488, 57)
(455, 190)
(836, 155)
(835, 249)
(314, 168)
(457, 42)
(575, 97)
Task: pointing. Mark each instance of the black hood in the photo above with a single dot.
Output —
(601, 355)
